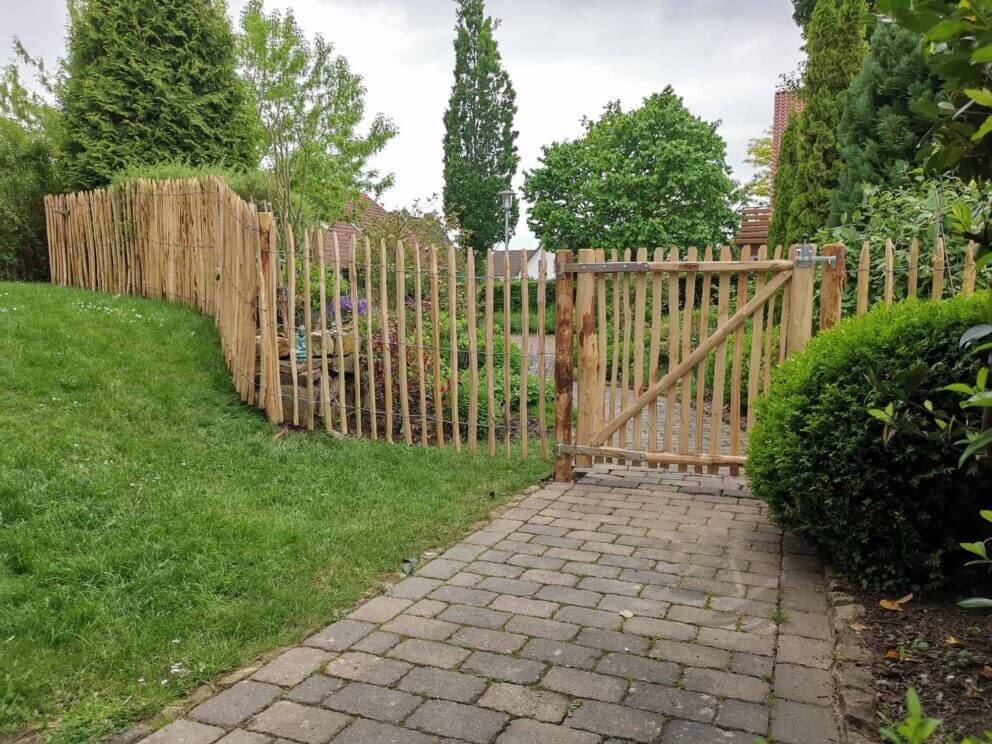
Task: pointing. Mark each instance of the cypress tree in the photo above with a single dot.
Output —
(835, 47)
(785, 184)
(149, 83)
(480, 151)
(878, 132)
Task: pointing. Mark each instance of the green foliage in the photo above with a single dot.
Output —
(802, 12)
(835, 46)
(911, 208)
(916, 727)
(655, 175)
(149, 517)
(958, 47)
(480, 150)
(759, 157)
(26, 162)
(878, 132)
(309, 107)
(785, 185)
(150, 83)
(886, 516)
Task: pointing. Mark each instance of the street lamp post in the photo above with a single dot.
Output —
(506, 197)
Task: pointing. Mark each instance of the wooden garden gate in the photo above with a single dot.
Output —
(671, 353)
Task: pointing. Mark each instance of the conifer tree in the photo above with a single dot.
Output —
(784, 187)
(480, 151)
(835, 47)
(152, 82)
(878, 133)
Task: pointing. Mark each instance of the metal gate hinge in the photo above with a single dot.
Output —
(806, 257)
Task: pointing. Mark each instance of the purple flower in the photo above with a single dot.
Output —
(348, 305)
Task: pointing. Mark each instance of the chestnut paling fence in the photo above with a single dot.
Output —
(657, 357)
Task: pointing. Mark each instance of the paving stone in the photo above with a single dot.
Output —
(691, 654)
(610, 586)
(563, 654)
(499, 570)
(465, 578)
(612, 640)
(438, 683)
(700, 616)
(373, 732)
(459, 721)
(441, 568)
(731, 640)
(477, 616)
(591, 569)
(340, 635)
(671, 701)
(589, 617)
(420, 627)
(370, 701)
(299, 722)
(737, 714)
(463, 552)
(524, 606)
(579, 683)
(725, 684)
(515, 587)
(800, 723)
(685, 732)
(525, 702)
(654, 628)
(315, 689)
(429, 653)
(645, 607)
(617, 720)
(367, 668)
(504, 668)
(235, 704)
(806, 624)
(292, 666)
(805, 651)
(523, 731)
(376, 642)
(753, 665)
(426, 608)
(675, 596)
(383, 609)
(803, 684)
(483, 639)
(185, 732)
(416, 587)
(536, 561)
(569, 596)
(463, 595)
(630, 667)
(542, 628)
(240, 736)
(543, 576)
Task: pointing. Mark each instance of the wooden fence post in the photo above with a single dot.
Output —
(801, 303)
(832, 287)
(564, 364)
(585, 307)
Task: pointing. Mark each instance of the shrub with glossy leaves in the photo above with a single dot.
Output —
(889, 515)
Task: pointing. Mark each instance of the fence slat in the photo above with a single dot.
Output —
(969, 277)
(490, 353)
(685, 402)
(737, 366)
(704, 332)
(401, 341)
(600, 414)
(542, 301)
(585, 299)
(913, 277)
(339, 336)
(525, 355)
(864, 271)
(471, 306)
(564, 363)
(436, 348)
(654, 349)
(325, 374)
(387, 347)
(507, 407)
(290, 319)
(890, 266)
(615, 363)
(720, 364)
(674, 349)
(625, 389)
(370, 355)
(456, 434)
(937, 290)
(356, 334)
(308, 328)
(418, 321)
(640, 305)
(757, 327)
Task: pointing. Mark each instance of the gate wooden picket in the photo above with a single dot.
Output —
(692, 409)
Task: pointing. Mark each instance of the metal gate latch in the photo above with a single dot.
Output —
(806, 257)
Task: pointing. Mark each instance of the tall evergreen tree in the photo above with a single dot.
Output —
(784, 187)
(878, 132)
(150, 82)
(480, 151)
(835, 47)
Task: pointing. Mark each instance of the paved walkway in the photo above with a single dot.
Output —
(634, 605)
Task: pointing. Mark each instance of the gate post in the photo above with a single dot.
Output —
(801, 299)
(585, 309)
(564, 364)
(832, 287)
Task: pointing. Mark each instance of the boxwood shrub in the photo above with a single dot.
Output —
(889, 517)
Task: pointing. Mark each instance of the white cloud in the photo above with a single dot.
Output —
(566, 58)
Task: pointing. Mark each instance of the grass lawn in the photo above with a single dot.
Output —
(148, 518)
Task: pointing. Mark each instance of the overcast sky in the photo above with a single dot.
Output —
(566, 58)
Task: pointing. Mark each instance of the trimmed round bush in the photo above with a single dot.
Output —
(889, 517)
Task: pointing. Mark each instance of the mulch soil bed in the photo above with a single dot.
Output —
(943, 651)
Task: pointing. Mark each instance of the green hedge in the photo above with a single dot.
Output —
(890, 517)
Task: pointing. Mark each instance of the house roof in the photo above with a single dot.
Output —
(754, 226)
(515, 260)
(358, 220)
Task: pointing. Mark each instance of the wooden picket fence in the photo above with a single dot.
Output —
(388, 360)
(658, 357)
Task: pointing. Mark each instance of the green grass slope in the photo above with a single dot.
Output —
(148, 518)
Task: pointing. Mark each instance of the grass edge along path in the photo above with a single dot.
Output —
(154, 532)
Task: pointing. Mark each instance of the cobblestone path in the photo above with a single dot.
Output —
(632, 606)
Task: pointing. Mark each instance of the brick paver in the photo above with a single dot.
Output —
(633, 605)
